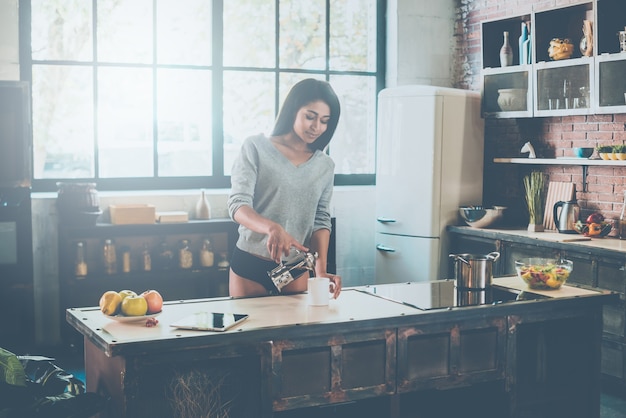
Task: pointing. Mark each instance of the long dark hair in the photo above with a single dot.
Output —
(302, 93)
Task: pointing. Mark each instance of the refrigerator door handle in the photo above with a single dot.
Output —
(384, 248)
(385, 220)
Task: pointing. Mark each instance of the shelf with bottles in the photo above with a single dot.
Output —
(493, 37)
(100, 259)
(572, 24)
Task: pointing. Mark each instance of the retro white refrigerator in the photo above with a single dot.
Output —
(430, 143)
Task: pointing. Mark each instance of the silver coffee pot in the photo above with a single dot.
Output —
(281, 274)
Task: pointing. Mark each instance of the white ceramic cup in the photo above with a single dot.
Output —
(320, 291)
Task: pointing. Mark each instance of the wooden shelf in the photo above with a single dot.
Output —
(560, 161)
(582, 162)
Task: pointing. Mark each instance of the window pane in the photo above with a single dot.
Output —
(249, 34)
(353, 35)
(248, 110)
(184, 32)
(62, 122)
(61, 30)
(125, 31)
(353, 145)
(302, 34)
(184, 123)
(125, 140)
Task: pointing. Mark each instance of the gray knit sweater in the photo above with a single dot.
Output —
(297, 198)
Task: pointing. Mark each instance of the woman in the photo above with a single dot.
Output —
(281, 192)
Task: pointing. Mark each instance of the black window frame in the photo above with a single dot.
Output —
(219, 180)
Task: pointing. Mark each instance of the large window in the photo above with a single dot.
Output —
(147, 94)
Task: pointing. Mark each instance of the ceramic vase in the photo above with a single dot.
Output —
(203, 210)
(506, 52)
(586, 42)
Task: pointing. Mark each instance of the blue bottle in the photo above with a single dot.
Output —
(523, 45)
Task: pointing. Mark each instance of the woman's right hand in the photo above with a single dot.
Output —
(280, 242)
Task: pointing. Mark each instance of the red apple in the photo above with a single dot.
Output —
(154, 299)
(595, 218)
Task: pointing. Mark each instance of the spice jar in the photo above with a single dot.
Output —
(146, 258)
(126, 259)
(165, 256)
(223, 264)
(185, 256)
(109, 257)
(207, 256)
(80, 266)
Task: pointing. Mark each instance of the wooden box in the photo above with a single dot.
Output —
(132, 214)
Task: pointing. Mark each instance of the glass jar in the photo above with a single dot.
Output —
(109, 257)
(185, 256)
(80, 265)
(207, 256)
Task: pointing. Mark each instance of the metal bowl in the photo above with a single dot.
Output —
(479, 217)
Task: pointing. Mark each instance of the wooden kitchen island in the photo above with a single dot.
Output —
(374, 352)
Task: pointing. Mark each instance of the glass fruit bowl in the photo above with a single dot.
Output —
(544, 273)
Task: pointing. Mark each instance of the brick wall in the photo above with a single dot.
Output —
(551, 137)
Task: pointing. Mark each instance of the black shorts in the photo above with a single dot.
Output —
(257, 269)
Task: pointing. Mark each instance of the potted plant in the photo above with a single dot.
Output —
(534, 186)
(604, 151)
(619, 151)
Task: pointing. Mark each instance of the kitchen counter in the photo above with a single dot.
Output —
(599, 263)
(606, 244)
(364, 350)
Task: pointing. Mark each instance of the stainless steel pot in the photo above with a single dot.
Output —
(472, 271)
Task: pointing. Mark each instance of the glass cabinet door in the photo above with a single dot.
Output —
(507, 94)
(610, 80)
(563, 90)
(612, 85)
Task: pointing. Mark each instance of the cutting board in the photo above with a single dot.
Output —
(557, 191)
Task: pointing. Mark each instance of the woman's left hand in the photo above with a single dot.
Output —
(335, 281)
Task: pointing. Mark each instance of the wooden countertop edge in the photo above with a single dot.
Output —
(599, 246)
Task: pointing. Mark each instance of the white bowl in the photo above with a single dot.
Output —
(478, 217)
(512, 99)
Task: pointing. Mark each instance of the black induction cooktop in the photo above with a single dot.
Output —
(443, 294)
